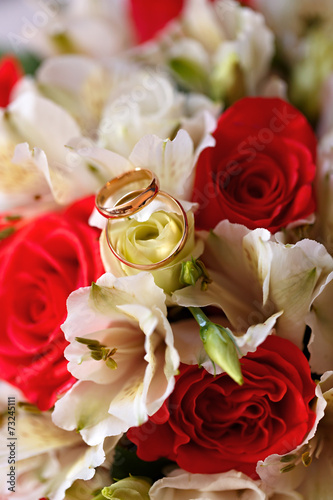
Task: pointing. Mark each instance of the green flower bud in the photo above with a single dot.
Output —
(221, 349)
(130, 488)
(227, 80)
(190, 273)
(192, 270)
(149, 242)
(219, 344)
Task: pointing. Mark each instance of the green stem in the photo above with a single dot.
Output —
(99, 497)
(199, 316)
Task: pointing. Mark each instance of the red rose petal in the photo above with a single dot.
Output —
(234, 426)
(10, 73)
(40, 265)
(264, 156)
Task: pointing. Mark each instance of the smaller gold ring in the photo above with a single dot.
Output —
(129, 202)
(166, 260)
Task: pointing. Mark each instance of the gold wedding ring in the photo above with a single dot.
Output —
(126, 195)
(115, 200)
(175, 207)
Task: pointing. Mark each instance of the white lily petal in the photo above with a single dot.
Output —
(85, 489)
(320, 320)
(146, 102)
(323, 231)
(255, 277)
(269, 470)
(135, 371)
(191, 350)
(30, 116)
(298, 274)
(200, 128)
(256, 334)
(67, 72)
(90, 403)
(254, 37)
(201, 22)
(67, 180)
(238, 262)
(171, 161)
(48, 459)
(97, 220)
(112, 164)
(188, 342)
(318, 482)
(99, 29)
(232, 485)
(21, 184)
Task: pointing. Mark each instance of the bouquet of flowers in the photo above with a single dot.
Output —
(166, 227)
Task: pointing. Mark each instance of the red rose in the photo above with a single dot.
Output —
(150, 17)
(40, 265)
(261, 170)
(10, 73)
(210, 424)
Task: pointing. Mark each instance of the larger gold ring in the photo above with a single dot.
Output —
(122, 202)
(175, 206)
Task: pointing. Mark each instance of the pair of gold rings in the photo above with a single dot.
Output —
(128, 194)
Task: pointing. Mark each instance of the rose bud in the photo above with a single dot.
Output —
(130, 488)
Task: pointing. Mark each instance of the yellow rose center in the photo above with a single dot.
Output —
(147, 242)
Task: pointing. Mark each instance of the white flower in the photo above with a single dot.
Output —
(146, 101)
(99, 28)
(128, 317)
(192, 352)
(36, 167)
(326, 117)
(308, 469)
(118, 102)
(249, 36)
(221, 49)
(47, 459)
(323, 230)
(85, 489)
(79, 84)
(173, 161)
(291, 20)
(180, 485)
(255, 277)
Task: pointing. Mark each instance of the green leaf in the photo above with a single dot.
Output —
(30, 62)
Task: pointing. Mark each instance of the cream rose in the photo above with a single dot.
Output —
(148, 242)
